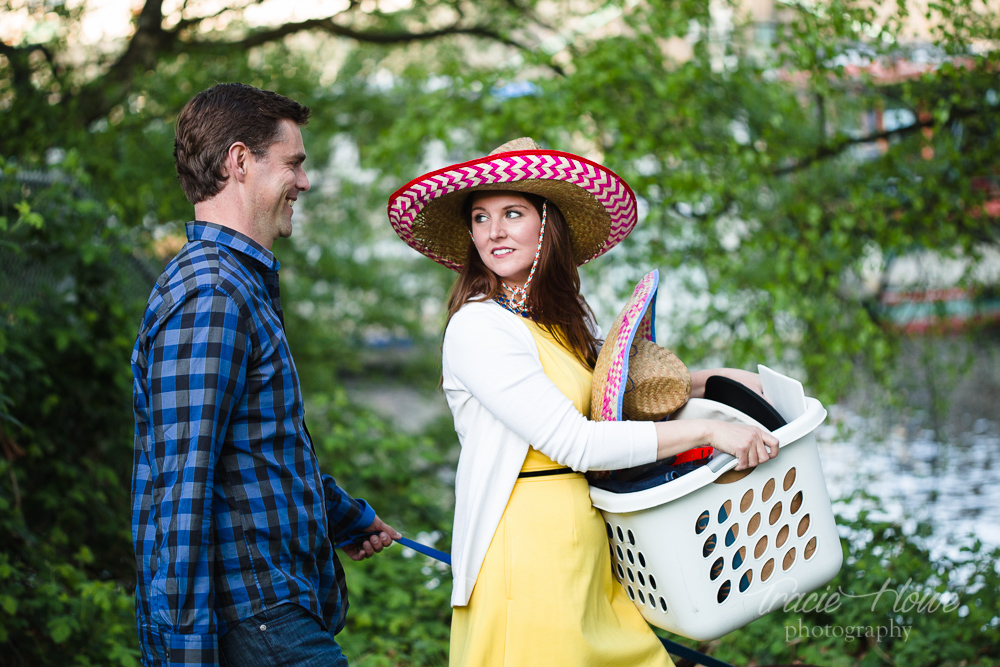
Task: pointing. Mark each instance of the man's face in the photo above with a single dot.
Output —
(274, 182)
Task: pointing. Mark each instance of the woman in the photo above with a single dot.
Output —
(532, 572)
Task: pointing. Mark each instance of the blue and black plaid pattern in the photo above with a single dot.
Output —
(230, 514)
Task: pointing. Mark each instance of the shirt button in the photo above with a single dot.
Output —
(263, 627)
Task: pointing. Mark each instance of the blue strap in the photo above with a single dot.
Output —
(672, 647)
(682, 651)
(354, 538)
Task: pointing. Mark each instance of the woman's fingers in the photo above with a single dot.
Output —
(748, 444)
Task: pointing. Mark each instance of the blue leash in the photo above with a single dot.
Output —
(682, 651)
(672, 647)
(416, 546)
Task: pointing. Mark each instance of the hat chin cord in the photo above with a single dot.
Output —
(522, 292)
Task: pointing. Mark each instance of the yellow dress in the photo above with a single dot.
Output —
(545, 595)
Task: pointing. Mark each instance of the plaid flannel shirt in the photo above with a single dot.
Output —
(230, 513)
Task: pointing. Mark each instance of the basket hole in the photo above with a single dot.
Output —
(747, 500)
(642, 598)
(702, 523)
(745, 580)
(810, 549)
(631, 558)
(642, 579)
(768, 491)
(652, 582)
(761, 547)
(621, 537)
(709, 547)
(631, 593)
(621, 571)
(789, 479)
(631, 538)
(765, 572)
(723, 591)
(789, 559)
(716, 568)
(782, 537)
(739, 557)
(642, 559)
(631, 577)
(652, 602)
(725, 510)
(803, 525)
(754, 524)
(611, 532)
(663, 605)
(621, 556)
(775, 513)
(796, 502)
(732, 534)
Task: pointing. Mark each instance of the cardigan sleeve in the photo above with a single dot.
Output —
(493, 356)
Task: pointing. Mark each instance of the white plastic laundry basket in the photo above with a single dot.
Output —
(713, 550)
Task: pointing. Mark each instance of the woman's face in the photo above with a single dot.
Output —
(505, 227)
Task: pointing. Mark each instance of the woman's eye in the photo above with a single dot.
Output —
(513, 214)
(479, 218)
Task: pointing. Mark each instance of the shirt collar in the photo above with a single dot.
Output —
(226, 236)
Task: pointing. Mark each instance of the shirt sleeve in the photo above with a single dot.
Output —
(197, 372)
(502, 371)
(345, 514)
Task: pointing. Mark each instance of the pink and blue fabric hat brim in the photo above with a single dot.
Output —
(643, 328)
(637, 320)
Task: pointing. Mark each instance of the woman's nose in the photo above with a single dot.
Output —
(497, 230)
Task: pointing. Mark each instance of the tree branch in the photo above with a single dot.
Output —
(151, 42)
(329, 26)
(836, 148)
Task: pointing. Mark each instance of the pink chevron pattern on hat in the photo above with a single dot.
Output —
(609, 190)
(637, 320)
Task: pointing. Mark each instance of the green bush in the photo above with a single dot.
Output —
(67, 314)
(939, 612)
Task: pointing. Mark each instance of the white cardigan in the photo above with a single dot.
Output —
(502, 400)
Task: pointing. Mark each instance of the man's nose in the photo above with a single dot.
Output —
(302, 182)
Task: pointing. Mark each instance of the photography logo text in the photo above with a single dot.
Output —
(906, 599)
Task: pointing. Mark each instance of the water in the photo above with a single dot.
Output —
(953, 486)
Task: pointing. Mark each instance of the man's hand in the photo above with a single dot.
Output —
(373, 544)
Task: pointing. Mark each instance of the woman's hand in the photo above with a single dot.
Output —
(749, 444)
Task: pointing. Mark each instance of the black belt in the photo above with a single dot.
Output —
(545, 473)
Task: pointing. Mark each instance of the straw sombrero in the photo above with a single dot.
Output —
(634, 378)
(598, 206)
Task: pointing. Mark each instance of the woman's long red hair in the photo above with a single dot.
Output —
(554, 297)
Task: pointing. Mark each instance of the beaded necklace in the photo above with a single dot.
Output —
(523, 311)
(516, 292)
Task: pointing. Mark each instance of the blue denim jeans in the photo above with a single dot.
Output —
(285, 636)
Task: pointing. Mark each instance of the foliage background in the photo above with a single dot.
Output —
(768, 198)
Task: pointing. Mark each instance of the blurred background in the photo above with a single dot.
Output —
(818, 186)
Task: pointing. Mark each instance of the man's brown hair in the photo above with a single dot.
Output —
(215, 119)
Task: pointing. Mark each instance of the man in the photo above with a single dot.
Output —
(234, 527)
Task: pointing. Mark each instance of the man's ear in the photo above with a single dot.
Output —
(237, 159)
